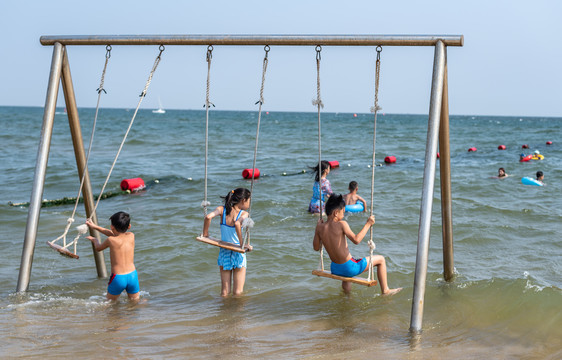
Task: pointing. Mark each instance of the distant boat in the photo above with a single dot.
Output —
(160, 110)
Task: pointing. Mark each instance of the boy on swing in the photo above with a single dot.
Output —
(121, 251)
(331, 234)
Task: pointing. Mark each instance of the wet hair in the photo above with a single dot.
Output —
(539, 174)
(334, 203)
(325, 165)
(352, 185)
(234, 197)
(501, 169)
(120, 221)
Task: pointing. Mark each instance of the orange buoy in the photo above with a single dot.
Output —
(334, 164)
(501, 147)
(134, 184)
(390, 159)
(472, 149)
(248, 173)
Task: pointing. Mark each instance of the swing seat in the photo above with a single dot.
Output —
(355, 279)
(221, 244)
(62, 250)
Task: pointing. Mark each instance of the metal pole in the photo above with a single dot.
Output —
(77, 142)
(428, 185)
(40, 170)
(445, 175)
(281, 40)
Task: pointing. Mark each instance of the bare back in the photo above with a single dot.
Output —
(331, 235)
(122, 252)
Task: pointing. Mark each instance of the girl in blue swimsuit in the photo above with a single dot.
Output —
(320, 182)
(232, 264)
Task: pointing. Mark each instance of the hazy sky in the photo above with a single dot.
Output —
(510, 63)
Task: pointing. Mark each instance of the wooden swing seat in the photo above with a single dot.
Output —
(62, 250)
(221, 244)
(355, 279)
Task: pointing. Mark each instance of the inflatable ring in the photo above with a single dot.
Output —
(357, 207)
(531, 181)
(526, 158)
(537, 157)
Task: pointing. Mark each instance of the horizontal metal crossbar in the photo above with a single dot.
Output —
(285, 40)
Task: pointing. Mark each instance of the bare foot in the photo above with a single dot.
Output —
(391, 292)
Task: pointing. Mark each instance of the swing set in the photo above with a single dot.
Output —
(437, 135)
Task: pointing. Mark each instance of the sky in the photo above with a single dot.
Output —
(510, 64)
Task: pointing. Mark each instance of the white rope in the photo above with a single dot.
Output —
(260, 102)
(70, 220)
(375, 110)
(142, 95)
(207, 105)
(318, 103)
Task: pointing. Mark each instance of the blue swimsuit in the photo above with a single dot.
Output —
(119, 282)
(229, 259)
(350, 268)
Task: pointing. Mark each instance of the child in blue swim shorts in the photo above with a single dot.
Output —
(121, 246)
(332, 235)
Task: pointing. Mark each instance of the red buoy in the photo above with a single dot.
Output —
(472, 149)
(134, 184)
(549, 143)
(390, 159)
(438, 155)
(501, 147)
(334, 164)
(248, 173)
(526, 158)
(524, 146)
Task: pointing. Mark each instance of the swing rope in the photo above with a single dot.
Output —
(375, 110)
(207, 105)
(248, 222)
(318, 103)
(141, 98)
(82, 229)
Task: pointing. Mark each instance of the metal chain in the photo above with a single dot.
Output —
(375, 110)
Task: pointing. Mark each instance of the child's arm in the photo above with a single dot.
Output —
(317, 242)
(363, 201)
(102, 230)
(99, 247)
(356, 239)
(208, 218)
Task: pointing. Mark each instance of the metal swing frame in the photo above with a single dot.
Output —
(437, 133)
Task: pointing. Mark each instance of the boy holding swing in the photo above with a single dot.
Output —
(121, 246)
(332, 233)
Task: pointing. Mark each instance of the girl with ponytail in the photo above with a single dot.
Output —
(232, 264)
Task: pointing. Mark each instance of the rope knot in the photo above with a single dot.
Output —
(205, 203)
(375, 108)
(82, 229)
(372, 245)
(248, 223)
(318, 102)
(70, 220)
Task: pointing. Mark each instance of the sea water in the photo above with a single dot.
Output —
(505, 301)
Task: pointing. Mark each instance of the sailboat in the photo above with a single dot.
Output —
(160, 110)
